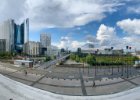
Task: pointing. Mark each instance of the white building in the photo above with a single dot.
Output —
(24, 63)
(7, 34)
(109, 51)
(55, 51)
(32, 48)
(45, 40)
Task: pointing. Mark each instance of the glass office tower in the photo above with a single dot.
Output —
(21, 35)
(7, 35)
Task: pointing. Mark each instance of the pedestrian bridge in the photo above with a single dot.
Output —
(10, 89)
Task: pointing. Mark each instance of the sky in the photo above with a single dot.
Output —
(74, 23)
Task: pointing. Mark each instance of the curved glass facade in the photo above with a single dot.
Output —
(21, 36)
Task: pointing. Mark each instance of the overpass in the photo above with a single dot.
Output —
(54, 62)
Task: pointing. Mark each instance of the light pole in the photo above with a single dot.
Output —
(130, 61)
(127, 47)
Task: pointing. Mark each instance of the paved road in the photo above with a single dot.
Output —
(71, 87)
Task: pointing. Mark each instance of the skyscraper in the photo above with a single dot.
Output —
(7, 35)
(45, 40)
(26, 30)
(13, 36)
(21, 35)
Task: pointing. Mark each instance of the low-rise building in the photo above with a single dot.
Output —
(108, 51)
(32, 48)
(24, 63)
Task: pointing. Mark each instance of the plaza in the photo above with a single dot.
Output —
(75, 81)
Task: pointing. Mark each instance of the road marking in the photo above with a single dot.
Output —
(82, 84)
(130, 81)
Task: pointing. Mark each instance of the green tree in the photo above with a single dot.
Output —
(90, 59)
(77, 58)
(48, 58)
(72, 56)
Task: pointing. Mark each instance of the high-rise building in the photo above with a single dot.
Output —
(21, 35)
(7, 35)
(26, 31)
(14, 35)
(2, 45)
(45, 40)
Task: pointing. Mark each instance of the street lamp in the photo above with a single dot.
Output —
(127, 47)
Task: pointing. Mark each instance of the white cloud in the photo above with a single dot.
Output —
(130, 26)
(68, 42)
(133, 41)
(135, 9)
(91, 39)
(76, 44)
(64, 42)
(12, 9)
(105, 32)
(106, 35)
(57, 13)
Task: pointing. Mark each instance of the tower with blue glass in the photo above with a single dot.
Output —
(21, 35)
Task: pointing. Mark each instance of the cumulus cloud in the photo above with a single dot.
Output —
(135, 9)
(69, 13)
(12, 9)
(64, 42)
(68, 42)
(106, 35)
(130, 26)
(132, 41)
(57, 13)
(91, 39)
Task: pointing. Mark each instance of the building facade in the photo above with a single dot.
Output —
(2, 45)
(45, 40)
(7, 35)
(32, 48)
(21, 35)
(14, 35)
(55, 51)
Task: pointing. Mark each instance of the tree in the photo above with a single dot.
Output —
(48, 58)
(90, 59)
(83, 60)
(72, 56)
(77, 58)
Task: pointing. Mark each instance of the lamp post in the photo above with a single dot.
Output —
(127, 47)
(130, 60)
(112, 59)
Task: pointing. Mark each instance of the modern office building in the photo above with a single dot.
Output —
(55, 51)
(45, 40)
(21, 35)
(32, 48)
(2, 45)
(13, 36)
(7, 35)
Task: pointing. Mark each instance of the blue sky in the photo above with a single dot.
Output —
(73, 23)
